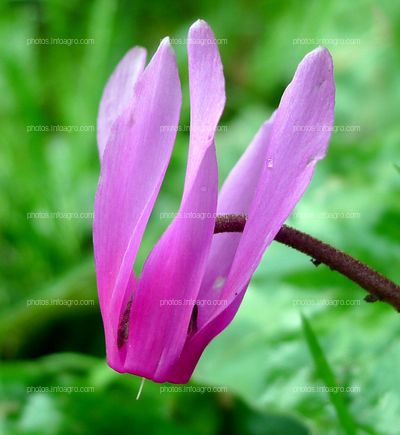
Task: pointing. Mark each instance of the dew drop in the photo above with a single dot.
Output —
(219, 282)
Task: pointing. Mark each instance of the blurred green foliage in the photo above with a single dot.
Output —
(263, 360)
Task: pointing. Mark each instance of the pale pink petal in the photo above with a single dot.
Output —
(160, 318)
(133, 167)
(118, 93)
(299, 138)
(235, 198)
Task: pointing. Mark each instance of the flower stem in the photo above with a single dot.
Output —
(378, 286)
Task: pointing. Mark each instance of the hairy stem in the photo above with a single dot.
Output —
(378, 286)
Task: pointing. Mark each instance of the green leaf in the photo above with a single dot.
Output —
(326, 374)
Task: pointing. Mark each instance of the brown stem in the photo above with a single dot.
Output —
(378, 286)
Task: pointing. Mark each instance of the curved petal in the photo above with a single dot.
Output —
(299, 138)
(162, 308)
(133, 167)
(118, 93)
(235, 198)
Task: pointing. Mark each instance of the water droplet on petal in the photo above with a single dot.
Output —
(219, 282)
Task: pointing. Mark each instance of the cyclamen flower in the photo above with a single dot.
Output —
(145, 334)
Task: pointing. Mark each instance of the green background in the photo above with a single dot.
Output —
(267, 357)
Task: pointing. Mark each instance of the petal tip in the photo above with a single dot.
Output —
(138, 50)
(165, 42)
(165, 48)
(199, 23)
(201, 26)
(321, 54)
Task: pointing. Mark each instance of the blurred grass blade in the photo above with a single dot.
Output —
(326, 374)
(100, 27)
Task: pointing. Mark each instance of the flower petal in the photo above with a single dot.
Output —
(133, 167)
(118, 93)
(172, 274)
(299, 138)
(235, 198)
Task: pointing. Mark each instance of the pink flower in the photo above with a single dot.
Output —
(157, 325)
